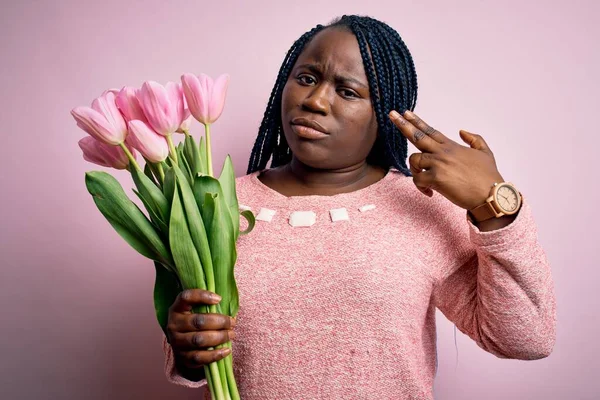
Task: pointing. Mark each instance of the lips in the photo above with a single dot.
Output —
(308, 129)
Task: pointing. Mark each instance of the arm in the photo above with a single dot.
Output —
(501, 293)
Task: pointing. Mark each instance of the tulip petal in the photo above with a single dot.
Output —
(96, 125)
(103, 154)
(192, 91)
(129, 105)
(106, 106)
(217, 97)
(153, 146)
(158, 109)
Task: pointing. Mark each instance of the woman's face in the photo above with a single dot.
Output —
(328, 91)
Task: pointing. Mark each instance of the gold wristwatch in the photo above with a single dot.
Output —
(505, 199)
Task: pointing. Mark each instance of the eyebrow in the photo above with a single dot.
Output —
(338, 78)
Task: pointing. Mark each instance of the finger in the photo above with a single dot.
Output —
(420, 161)
(188, 298)
(424, 180)
(475, 141)
(200, 358)
(425, 128)
(203, 322)
(200, 340)
(416, 137)
(427, 192)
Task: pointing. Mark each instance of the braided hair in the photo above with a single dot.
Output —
(392, 84)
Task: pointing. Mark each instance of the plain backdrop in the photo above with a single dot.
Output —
(77, 319)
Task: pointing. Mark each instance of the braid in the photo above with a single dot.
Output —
(392, 82)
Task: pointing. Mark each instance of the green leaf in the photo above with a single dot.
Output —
(251, 221)
(159, 224)
(149, 172)
(125, 217)
(166, 289)
(183, 163)
(169, 184)
(221, 238)
(192, 155)
(186, 258)
(196, 227)
(153, 197)
(205, 184)
(227, 181)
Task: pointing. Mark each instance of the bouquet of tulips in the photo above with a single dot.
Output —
(193, 218)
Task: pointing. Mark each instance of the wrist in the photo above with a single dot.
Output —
(191, 374)
(495, 223)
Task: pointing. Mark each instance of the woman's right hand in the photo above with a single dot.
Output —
(190, 334)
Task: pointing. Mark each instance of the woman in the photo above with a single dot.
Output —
(341, 276)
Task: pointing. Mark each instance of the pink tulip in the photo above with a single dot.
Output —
(103, 120)
(115, 91)
(205, 97)
(186, 124)
(187, 116)
(153, 146)
(104, 154)
(128, 103)
(163, 106)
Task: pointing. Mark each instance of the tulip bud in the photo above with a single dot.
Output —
(153, 146)
(129, 104)
(104, 154)
(103, 120)
(162, 106)
(205, 97)
(187, 117)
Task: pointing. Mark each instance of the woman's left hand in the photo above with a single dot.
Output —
(464, 175)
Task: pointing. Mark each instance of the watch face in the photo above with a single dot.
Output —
(507, 198)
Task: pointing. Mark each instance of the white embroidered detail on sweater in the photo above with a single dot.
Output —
(302, 218)
(265, 215)
(367, 207)
(339, 214)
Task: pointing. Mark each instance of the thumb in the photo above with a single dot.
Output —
(473, 140)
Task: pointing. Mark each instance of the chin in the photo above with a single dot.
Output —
(310, 152)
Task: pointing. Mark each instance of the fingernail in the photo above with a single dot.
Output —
(409, 115)
(394, 114)
(216, 298)
(225, 352)
(231, 335)
(233, 322)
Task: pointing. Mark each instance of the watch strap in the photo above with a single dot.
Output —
(484, 212)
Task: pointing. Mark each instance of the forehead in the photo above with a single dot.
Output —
(334, 49)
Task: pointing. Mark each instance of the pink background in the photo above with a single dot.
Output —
(77, 318)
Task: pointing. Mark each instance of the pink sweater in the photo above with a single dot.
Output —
(346, 309)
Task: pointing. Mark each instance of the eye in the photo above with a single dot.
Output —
(348, 93)
(306, 79)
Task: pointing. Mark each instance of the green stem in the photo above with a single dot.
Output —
(233, 391)
(216, 379)
(208, 150)
(172, 149)
(223, 376)
(161, 172)
(130, 156)
(209, 379)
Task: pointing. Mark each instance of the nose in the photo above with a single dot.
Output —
(317, 100)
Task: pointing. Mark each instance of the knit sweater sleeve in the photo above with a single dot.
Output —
(499, 290)
(171, 371)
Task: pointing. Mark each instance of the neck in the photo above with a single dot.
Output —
(331, 179)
